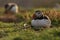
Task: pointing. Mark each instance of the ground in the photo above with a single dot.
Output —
(16, 31)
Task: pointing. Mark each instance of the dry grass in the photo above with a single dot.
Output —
(12, 31)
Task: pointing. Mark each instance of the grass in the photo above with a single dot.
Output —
(16, 31)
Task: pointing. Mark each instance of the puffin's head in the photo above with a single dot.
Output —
(11, 7)
(38, 13)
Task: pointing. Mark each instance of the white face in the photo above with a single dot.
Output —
(38, 14)
(14, 9)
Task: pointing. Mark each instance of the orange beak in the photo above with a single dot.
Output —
(34, 16)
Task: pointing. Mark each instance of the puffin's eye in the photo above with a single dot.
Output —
(13, 5)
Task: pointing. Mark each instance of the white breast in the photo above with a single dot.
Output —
(41, 23)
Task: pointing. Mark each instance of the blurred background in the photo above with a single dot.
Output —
(32, 3)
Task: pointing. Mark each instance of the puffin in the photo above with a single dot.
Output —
(9, 14)
(11, 8)
(40, 20)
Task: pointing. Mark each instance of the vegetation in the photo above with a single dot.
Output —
(16, 31)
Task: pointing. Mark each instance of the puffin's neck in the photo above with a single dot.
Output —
(39, 17)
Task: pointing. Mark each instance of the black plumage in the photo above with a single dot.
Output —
(42, 16)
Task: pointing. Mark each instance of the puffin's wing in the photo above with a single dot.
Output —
(46, 17)
(48, 21)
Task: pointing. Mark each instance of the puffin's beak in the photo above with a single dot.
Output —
(34, 16)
